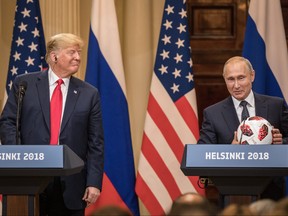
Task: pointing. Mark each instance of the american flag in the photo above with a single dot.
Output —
(171, 117)
(28, 44)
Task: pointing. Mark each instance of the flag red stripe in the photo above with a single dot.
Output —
(165, 127)
(108, 196)
(148, 198)
(160, 167)
(189, 116)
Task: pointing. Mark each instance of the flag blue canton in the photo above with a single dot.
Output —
(173, 65)
(28, 43)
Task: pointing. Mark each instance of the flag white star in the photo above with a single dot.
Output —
(178, 58)
(180, 43)
(181, 28)
(19, 42)
(36, 33)
(166, 39)
(29, 1)
(22, 27)
(183, 13)
(190, 77)
(163, 69)
(176, 73)
(33, 47)
(26, 13)
(165, 54)
(30, 61)
(14, 70)
(10, 84)
(169, 9)
(190, 62)
(168, 24)
(175, 88)
(17, 56)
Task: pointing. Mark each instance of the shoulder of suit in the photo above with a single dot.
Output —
(267, 97)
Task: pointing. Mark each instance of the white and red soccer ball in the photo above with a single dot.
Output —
(255, 130)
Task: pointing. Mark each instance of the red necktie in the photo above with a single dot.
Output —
(56, 112)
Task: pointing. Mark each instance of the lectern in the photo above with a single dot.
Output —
(27, 169)
(236, 169)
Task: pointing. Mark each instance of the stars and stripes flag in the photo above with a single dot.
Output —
(105, 71)
(28, 43)
(266, 48)
(171, 117)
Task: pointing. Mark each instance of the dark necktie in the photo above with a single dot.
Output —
(245, 113)
(55, 113)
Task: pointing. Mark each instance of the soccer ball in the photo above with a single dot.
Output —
(255, 130)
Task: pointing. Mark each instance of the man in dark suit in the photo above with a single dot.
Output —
(80, 127)
(221, 120)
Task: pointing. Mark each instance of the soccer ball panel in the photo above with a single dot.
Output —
(255, 130)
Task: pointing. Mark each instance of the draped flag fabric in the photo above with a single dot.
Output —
(28, 43)
(105, 71)
(171, 117)
(265, 46)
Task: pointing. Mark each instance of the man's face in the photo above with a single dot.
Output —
(68, 61)
(238, 79)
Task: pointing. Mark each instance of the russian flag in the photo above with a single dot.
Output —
(105, 71)
(265, 46)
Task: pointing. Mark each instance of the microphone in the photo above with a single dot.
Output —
(21, 93)
(22, 88)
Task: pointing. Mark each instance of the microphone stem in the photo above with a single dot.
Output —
(18, 117)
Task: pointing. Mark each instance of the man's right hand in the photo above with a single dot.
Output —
(235, 140)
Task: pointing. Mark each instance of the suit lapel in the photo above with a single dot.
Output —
(260, 106)
(42, 86)
(72, 96)
(230, 115)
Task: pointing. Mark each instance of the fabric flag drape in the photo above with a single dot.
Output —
(265, 46)
(28, 43)
(171, 117)
(105, 71)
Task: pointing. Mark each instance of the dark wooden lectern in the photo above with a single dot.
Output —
(25, 171)
(236, 169)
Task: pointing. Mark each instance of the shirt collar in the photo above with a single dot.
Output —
(249, 99)
(53, 78)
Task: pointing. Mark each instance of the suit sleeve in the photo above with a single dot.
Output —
(207, 132)
(284, 123)
(95, 155)
(8, 117)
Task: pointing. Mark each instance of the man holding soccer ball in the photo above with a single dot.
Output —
(221, 120)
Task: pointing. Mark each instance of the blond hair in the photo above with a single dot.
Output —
(62, 41)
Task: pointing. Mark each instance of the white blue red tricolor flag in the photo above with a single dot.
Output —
(171, 117)
(265, 46)
(105, 71)
(28, 43)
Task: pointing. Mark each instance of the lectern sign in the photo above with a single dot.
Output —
(31, 156)
(258, 156)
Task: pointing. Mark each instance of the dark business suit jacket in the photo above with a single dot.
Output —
(81, 128)
(220, 120)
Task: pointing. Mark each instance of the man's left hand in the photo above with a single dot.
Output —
(91, 195)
